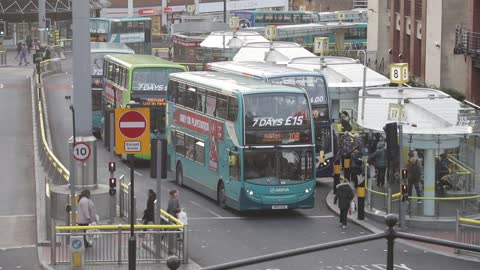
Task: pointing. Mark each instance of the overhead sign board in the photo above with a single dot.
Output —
(132, 131)
(167, 10)
(399, 73)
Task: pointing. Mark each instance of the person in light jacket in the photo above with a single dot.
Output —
(86, 211)
(379, 158)
(344, 196)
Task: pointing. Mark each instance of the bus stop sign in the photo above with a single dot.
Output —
(132, 131)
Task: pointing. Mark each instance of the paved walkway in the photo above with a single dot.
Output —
(377, 227)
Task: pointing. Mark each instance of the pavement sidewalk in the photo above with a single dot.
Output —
(377, 227)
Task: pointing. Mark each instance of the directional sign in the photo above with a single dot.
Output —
(399, 73)
(271, 32)
(132, 131)
(396, 112)
(321, 45)
(76, 243)
(81, 151)
(234, 22)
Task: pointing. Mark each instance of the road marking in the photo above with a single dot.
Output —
(208, 210)
(137, 173)
(15, 216)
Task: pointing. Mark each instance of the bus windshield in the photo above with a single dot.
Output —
(151, 79)
(278, 166)
(313, 85)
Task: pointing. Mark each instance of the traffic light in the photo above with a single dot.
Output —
(112, 182)
(404, 191)
(391, 135)
(3, 28)
(404, 174)
(111, 166)
(48, 24)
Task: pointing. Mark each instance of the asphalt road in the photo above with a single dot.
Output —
(17, 192)
(218, 235)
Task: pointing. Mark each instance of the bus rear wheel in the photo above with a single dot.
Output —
(221, 198)
(179, 175)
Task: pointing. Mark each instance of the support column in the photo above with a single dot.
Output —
(41, 21)
(340, 39)
(429, 182)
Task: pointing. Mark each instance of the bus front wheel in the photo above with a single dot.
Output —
(221, 198)
(179, 175)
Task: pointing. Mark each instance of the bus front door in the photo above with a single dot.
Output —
(233, 186)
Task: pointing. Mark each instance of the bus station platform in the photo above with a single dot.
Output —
(373, 221)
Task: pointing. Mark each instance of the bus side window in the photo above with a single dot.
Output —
(172, 91)
(234, 165)
(180, 143)
(211, 103)
(222, 107)
(189, 147)
(232, 109)
(200, 151)
(200, 106)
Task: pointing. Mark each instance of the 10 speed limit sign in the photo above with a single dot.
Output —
(81, 151)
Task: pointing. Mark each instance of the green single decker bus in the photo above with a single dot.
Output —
(137, 81)
(243, 142)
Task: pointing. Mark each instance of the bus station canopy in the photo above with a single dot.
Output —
(422, 111)
(279, 52)
(222, 39)
(340, 72)
(51, 6)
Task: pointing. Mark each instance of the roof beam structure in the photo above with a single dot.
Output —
(51, 6)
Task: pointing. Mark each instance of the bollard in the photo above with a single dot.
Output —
(361, 201)
(390, 220)
(336, 175)
(346, 168)
(173, 262)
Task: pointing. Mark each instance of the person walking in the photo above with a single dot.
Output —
(86, 212)
(23, 55)
(19, 50)
(149, 212)
(29, 43)
(173, 207)
(356, 165)
(379, 159)
(414, 169)
(344, 196)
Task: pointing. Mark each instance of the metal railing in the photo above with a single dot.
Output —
(56, 171)
(466, 42)
(155, 243)
(468, 232)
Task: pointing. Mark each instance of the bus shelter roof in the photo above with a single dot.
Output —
(422, 111)
(340, 72)
(279, 52)
(221, 39)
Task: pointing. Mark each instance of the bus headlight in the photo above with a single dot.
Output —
(308, 190)
(250, 192)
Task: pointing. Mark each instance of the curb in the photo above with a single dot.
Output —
(374, 229)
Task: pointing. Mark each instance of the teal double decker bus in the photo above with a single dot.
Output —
(98, 50)
(136, 32)
(137, 81)
(243, 142)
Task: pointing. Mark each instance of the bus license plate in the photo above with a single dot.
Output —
(279, 206)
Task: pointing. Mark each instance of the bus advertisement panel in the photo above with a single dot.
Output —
(245, 143)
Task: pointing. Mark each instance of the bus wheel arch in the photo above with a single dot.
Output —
(221, 198)
(179, 174)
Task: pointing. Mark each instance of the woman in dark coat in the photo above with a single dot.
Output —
(149, 213)
(344, 196)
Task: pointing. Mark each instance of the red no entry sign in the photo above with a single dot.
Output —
(132, 124)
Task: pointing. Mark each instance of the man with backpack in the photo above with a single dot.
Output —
(414, 171)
